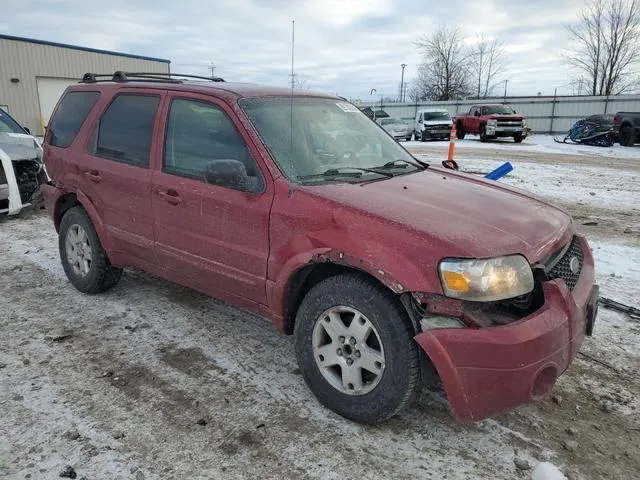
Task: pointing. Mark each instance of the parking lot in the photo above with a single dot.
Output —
(152, 380)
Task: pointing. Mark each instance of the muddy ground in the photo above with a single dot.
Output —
(154, 381)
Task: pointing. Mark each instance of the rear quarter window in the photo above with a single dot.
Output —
(69, 117)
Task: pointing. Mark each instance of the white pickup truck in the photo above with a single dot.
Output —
(21, 167)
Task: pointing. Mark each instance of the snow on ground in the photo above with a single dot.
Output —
(147, 360)
(540, 144)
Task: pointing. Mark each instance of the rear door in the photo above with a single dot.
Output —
(121, 150)
(213, 237)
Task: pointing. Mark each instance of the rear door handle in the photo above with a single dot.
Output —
(170, 196)
(94, 176)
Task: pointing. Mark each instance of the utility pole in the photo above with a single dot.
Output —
(403, 65)
(505, 91)
(213, 69)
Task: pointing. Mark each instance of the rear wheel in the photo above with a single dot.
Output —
(84, 260)
(483, 134)
(460, 133)
(518, 138)
(355, 348)
(627, 136)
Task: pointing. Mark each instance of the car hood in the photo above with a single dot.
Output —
(477, 218)
(438, 122)
(19, 146)
(396, 127)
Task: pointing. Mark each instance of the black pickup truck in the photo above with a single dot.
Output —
(627, 127)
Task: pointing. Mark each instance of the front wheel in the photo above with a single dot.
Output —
(460, 133)
(483, 134)
(355, 348)
(518, 138)
(84, 260)
(423, 136)
(627, 136)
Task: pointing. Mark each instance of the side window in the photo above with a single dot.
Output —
(125, 130)
(200, 138)
(69, 117)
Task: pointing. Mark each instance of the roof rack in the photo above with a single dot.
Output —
(121, 77)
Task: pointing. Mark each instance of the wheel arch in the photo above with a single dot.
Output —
(75, 199)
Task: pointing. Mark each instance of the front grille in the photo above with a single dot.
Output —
(445, 126)
(569, 266)
(509, 123)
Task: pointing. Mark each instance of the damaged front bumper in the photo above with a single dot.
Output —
(485, 371)
(21, 171)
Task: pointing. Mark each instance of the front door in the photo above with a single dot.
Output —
(214, 237)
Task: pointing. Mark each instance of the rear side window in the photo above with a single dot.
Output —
(126, 128)
(69, 117)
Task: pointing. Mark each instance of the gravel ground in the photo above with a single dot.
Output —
(154, 381)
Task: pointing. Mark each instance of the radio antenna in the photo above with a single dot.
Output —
(293, 76)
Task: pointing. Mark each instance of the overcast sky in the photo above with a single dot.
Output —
(342, 46)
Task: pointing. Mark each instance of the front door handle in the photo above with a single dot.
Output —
(94, 176)
(170, 196)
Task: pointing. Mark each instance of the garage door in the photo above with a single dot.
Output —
(49, 92)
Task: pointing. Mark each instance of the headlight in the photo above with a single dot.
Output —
(486, 280)
(492, 122)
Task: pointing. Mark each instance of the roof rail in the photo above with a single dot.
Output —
(121, 77)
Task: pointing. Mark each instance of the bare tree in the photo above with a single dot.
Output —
(607, 45)
(443, 73)
(486, 63)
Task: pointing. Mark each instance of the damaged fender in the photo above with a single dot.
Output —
(22, 171)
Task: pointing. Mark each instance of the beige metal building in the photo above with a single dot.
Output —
(34, 73)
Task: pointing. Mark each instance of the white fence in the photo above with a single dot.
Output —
(543, 114)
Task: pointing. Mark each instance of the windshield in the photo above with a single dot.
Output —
(318, 136)
(8, 124)
(498, 109)
(390, 121)
(436, 116)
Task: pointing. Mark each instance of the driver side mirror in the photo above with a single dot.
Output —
(420, 121)
(26, 129)
(227, 173)
(477, 114)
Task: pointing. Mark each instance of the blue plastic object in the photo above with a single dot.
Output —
(499, 172)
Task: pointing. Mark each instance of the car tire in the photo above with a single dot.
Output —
(518, 138)
(460, 133)
(483, 135)
(83, 258)
(423, 136)
(332, 306)
(627, 136)
(408, 139)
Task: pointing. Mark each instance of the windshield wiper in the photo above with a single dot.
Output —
(339, 172)
(402, 163)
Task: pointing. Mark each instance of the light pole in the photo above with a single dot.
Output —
(505, 91)
(403, 65)
(372, 93)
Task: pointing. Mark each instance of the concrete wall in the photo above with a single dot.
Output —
(544, 114)
(29, 60)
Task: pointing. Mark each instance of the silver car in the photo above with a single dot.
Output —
(396, 128)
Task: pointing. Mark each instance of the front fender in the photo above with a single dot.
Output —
(395, 273)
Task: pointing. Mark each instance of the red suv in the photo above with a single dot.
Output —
(388, 272)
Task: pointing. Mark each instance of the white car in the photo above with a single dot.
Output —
(21, 167)
(396, 128)
(432, 124)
